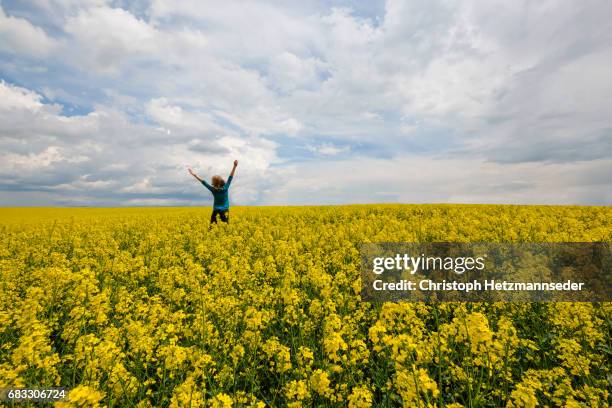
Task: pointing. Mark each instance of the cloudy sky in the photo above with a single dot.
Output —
(321, 101)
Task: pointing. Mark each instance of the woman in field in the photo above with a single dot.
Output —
(220, 191)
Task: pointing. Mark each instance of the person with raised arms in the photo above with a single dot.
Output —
(220, 191)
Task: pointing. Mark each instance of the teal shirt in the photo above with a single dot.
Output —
(221, 195)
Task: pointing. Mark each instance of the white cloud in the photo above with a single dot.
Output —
(263, 120)
(102, 156)
(328, 149)
(24, 117)
(288, 72)
(14, 97)
(244, 30)
(36, 161)
(82, 184)
(19, 36)
(177, 119)
(143, 186)
(108, 36)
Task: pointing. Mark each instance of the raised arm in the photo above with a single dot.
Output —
(194, 175)
(234, 168)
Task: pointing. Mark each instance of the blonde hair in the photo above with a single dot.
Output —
(217, 181)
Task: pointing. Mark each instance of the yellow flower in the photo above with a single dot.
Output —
(221, 401)
(187, 395)
(360, 397)
(143, 306)
(297, 390)
(320, 383)
(82, 396)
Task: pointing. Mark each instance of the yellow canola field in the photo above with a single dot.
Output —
(149, 307)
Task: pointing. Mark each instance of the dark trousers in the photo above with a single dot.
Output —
(223, 214)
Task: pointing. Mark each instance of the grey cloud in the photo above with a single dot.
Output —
(209, 148)
(430, 179)
(575, 147)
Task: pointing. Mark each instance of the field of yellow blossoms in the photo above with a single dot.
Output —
(149, 307)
